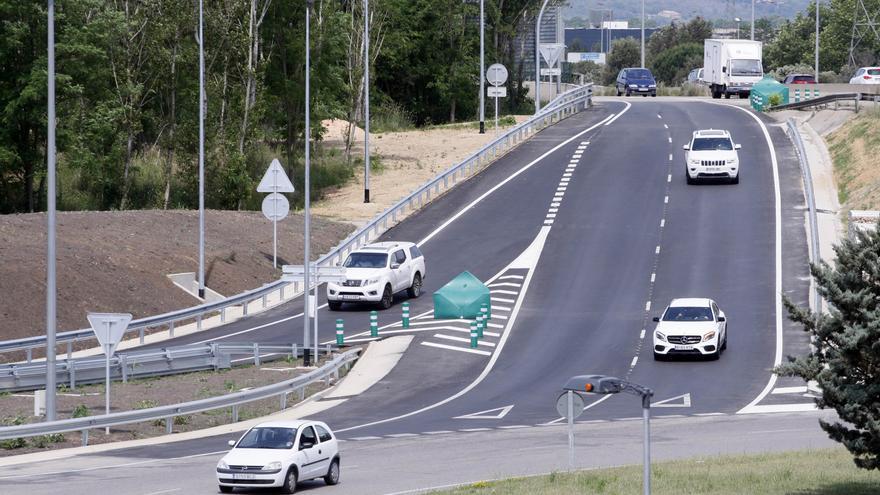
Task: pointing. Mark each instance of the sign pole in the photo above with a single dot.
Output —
(570, 430)
(646, 416)
(496, 114)
(107, 351)
(275, 224)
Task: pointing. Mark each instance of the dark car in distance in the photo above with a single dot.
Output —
(636, 80)
(799, 79)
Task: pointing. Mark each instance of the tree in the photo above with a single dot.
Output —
(624, 53)
(845, 354)
(672, 66)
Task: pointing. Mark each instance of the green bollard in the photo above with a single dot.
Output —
(480, 326)
(340, 332)
(474, 337)
(406, 315)
(484, 310)
(374, 323)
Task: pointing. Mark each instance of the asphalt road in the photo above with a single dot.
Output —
(620, 234)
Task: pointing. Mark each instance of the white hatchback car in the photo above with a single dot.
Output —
(711, 154)
(866, 75)
(280, 454)
(375, 272)
(693, 327)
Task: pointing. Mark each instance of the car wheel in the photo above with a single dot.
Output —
(724, 344)
(627, 93)
(687, 176)
(225, 489)
(290, 481)
(654, 95)
(387, 298)
(332, 476)
(618, 90)
(415, 290)
(735, 180)
(334, 305)
(726, 96)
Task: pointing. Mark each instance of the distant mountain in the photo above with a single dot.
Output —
(579, 12)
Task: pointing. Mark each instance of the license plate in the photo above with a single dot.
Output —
(684, 348)
(350, 297)
(243, 476)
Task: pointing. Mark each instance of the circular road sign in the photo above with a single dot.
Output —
(496, 74)
(562, 404)
(275, 206)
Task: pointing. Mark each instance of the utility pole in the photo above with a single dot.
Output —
(482, 72)
(201, 153)
(753, 22)
(366, 101)
(51, 291)
(816, 66)
(643, 33)
(306, 238)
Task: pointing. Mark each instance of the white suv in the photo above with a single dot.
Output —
(375, 272)
(711, 154)
(690, 327)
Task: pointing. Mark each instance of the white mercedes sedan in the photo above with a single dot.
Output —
(690, 327)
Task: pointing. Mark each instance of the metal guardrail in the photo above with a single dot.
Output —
(169, 412)
(824, 100)
(561, 107)
(798, 141)
(140, 364)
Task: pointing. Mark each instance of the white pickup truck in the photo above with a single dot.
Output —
(375, 272)
(732, 67)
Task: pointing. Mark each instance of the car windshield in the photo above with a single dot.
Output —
(366, 260)
(874, 72)
(638, 74)
(710, 144)
(744, 67)
(688, 313)
(267, 438)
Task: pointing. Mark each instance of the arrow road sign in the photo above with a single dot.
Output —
(499, 412)
(683, 400)
(275, 180)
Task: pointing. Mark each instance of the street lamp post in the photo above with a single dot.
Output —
(737, 20)
(201, 153)
(753, 21)
(51, 291)
(643, 33)
(816, 54)
(482, 72)
(306, 238)
(602, 384)
(538, 57)
(366, 101)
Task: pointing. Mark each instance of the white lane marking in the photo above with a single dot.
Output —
(508, 179)
(493, 325)
(755, 409)
(657, 251)
(551, 215)
(669, 178)
(454, 348)
(511, 277)
(642, 334)
(777, 359)
(671, 402)
(565, 179)
(648, 306)
(499, 413)
(500, 308)
(527, 260)
(561, 188)
(548, 222)
(555, 204)
(662, 222)
(653, 277)
(503, 291)
(658, 116)
(666, 200)
(553, 210)
(670, 139)
(164, 491)
(358, 439)
(670, 157)
(709, 414)
(789, 390)
(665, 126)
(611, 121)
(513, 427)
(111, 466)
(567, 174)
(500, 316)
(558, 195)
(587, 142)
(469, 430)
(634, 361)
(436, 432)
(462, 339)
(505, 284)
(402, 435)
(501, 299)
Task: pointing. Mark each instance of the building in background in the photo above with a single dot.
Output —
(594, 43)
(552, 31)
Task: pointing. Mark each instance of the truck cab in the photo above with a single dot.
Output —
(732, 67)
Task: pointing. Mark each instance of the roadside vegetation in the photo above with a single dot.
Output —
(854, 149)
(814, 472)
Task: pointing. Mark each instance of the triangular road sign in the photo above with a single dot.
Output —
(109, 328)
(275, 180)
(551, 52)
(685, 401)
(500, 412)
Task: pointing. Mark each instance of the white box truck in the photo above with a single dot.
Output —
(732, 67)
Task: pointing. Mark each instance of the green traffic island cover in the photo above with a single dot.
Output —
(462, 297)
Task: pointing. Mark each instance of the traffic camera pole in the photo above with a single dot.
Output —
(307, 286)
(51, 291)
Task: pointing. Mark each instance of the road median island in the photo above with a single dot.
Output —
(825, 472)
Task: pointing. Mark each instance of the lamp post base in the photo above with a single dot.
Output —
(366, 195)
(482, 127)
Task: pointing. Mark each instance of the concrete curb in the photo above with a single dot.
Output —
(373, 365)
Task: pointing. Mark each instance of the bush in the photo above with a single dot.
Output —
(81, 411)
(391, 117)
(775, 100)
(44, 441)
(13, 443)
(146, 404)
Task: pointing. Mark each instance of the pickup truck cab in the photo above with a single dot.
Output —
(375, 272)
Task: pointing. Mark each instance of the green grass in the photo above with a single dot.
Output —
(815, 472)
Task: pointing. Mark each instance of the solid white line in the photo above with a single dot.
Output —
(709, 414)
(789, 390)
(653, 277)
(634, 361)
(648, 306)
(754, 409)
(402, 435)
(777, 359)
(453, 348)
(437, 432)
(461, 339)
(469, 430)
(112, 466)
(357, 439)
(628, 104)
(501, 299)
(505, 284)
(513, 427)
(642, 335)
(164, 491)
(508, 179)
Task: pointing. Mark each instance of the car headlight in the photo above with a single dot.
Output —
(709, 336)
(732, 162)
(694, 162)
(222, 465)
(652, 85)
(660, 336)
(634, 85)
(371, 281)
(272, 466)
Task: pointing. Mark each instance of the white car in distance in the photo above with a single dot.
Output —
(866, 75)
(280, 454)
(711, 154)
(690, 327)
(375, 272)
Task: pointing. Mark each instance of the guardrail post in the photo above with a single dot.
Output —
(235, 413)
(85, 438)
(256, 354)
(141, 335)
(406, 315)
(265, 300)
(473, 334)
(484, 310)
(302, 393)
(329, 350)
(199, 322)
(244, 308)
(215, 351)
(223, 315)
(171, 329)
(340, 335)
(69, 350)
(169, 425)
(283, 398)
(374, 323)
(71, 371)
(294, 355)
(30, 354)
(123, 364)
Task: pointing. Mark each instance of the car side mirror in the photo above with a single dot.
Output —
(724, 70)
(231, 443)
(305, 445)
(686, 147)
(395, 266)
(721, 318)
(737, 146)
(656, 318)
